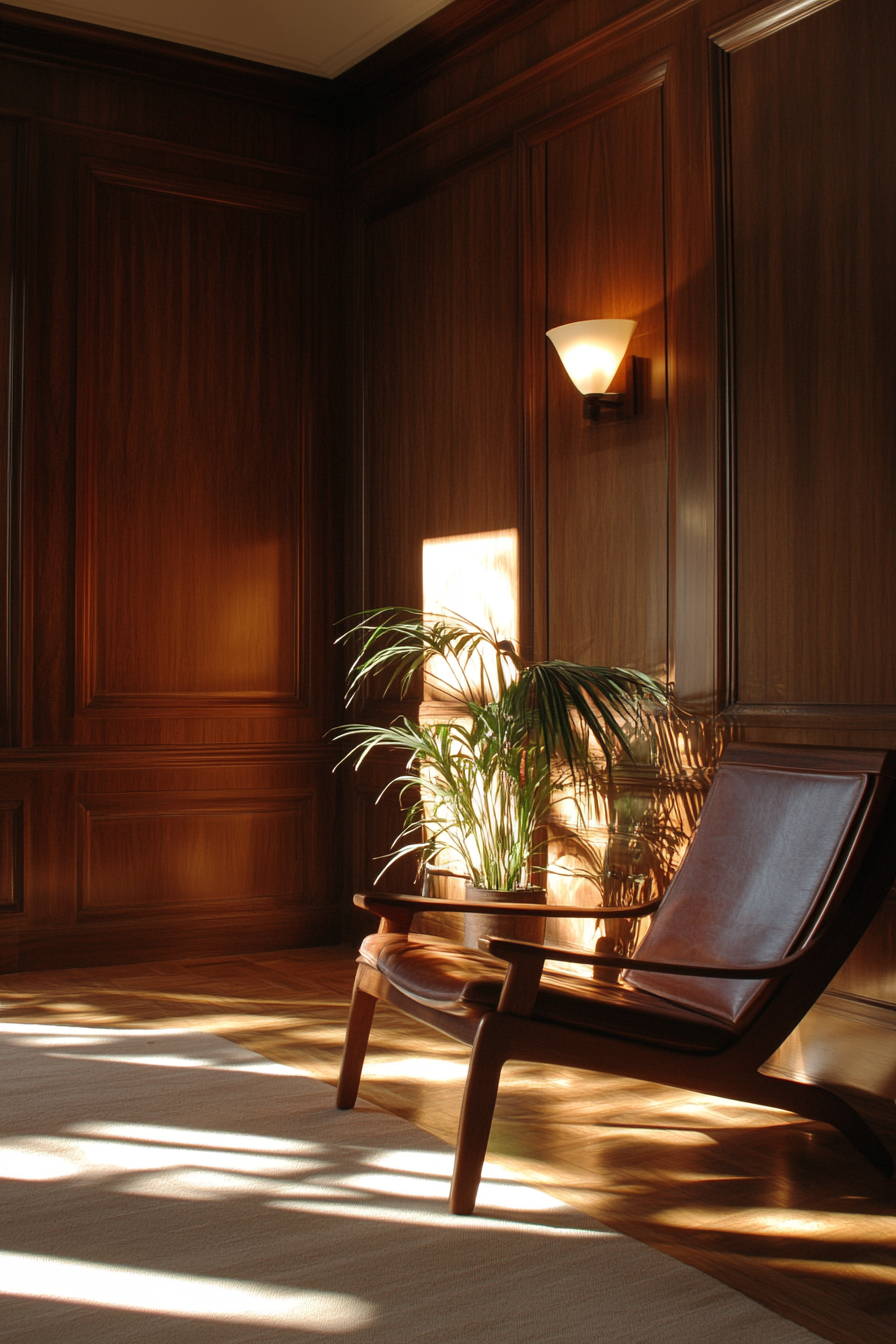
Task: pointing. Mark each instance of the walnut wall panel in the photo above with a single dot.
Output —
(494, 188)
(736, 537)
(166, 789)
(186, 851)
(440, 411)
(809, 254)
(190, 451)
(141, 854)
(13, 170)
(604, 257)
(813, 260)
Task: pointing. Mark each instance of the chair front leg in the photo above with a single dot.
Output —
(357, 1035)
(480, 1094)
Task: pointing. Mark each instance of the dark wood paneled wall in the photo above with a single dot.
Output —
(717, 170)
(441, 419)
(604, 246)
(812, 258)
(169, 232)
(808, 256)
(720, 172)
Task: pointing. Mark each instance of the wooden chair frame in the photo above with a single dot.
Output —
(865, 874)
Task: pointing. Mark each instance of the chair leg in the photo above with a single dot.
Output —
(357, 1034)
(817, 1103)
(478, 1107)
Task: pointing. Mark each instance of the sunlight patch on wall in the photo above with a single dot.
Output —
(475, 576)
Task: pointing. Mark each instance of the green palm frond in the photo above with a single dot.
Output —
(400, 641)
(481, 789)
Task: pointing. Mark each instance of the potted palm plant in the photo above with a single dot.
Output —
(480, 788)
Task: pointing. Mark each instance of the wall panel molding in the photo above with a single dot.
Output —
(168, 855)
(835, 717)
(596, 44)
(49, 39)
(190, 567)
(172, 231)
(803, 205)
(126, 940)
(437, 368)
(592, 243)
(188, 756)
(113, 145)
(13, 835)
(14, 180)
(765, 22)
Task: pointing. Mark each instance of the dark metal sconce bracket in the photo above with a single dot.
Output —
(602, 407)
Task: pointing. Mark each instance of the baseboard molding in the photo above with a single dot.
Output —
(128, 941)
(845, 1042)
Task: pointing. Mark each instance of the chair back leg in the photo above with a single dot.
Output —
(353, 1052)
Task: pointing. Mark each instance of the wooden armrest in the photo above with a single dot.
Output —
(510, 950)
(388, 906)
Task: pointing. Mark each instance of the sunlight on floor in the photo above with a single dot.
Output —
(94, 1155)
(618, 1151)
(416, 1068)
(197, 1138)
(53, 1279)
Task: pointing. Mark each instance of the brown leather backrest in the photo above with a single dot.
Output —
(757, 870)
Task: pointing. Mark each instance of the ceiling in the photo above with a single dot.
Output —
(320, 37)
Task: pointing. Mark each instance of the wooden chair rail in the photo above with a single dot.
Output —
(387, 906)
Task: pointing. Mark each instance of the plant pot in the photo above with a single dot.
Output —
(524, 928)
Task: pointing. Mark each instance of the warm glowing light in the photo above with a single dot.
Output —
(179, 1182)
(83, 1154)
(406, 1214)
(491, 1195)
(422, 1068)
(17, 1164)
(197, 1138)
(475, 576)
(787, 1222)
(53, 1279)
(187, 1062)
(418, 1163)
(592, 351)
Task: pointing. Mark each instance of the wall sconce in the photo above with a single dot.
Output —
(591, 354)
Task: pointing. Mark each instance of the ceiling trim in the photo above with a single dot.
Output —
(309, 40)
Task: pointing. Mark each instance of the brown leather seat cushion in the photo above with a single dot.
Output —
(443, 975)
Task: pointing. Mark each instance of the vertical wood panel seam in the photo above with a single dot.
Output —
(15, 430)
(726, 534)
(665, 177)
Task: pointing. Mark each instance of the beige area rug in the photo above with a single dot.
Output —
(172, 1186)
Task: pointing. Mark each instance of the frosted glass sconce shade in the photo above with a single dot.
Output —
(592, 351)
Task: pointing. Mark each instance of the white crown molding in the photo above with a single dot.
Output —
(316, 37)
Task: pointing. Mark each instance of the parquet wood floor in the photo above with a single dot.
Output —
(777, 1207)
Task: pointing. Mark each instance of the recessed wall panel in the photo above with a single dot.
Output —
(813, 260)
(189, 456)
(169, 855)
(441, 376)
(12, 194)
(607, 485)
(12, 831)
